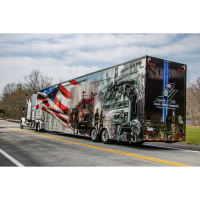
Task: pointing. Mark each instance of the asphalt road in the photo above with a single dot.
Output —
(25, 147)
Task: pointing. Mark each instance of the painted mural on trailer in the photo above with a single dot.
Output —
(112, 98)
(165, 100)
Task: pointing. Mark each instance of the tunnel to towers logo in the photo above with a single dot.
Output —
(165, 101)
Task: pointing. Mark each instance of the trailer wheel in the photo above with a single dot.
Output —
(105, 137)
(95, 137)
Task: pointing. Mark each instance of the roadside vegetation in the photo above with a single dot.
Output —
(193, 112)
(13, 97)
(193, 102)
(192, 135)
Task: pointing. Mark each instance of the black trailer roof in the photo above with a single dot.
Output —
(166, 59)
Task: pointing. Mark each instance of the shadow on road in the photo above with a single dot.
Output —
(123, 144)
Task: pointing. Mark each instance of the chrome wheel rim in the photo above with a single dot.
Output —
(38, 127)
(105, 135)
(94, 134)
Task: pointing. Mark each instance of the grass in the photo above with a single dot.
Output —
(192, 135)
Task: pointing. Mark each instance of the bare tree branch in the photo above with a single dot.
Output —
(13, 96)
(35, 81)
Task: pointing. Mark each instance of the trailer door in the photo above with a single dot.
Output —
(165, 99)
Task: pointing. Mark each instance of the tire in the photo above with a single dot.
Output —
(105, 137)
(95, 137)
(21, 126)
(35, 127)
(38, 127)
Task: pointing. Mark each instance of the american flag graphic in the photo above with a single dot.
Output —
(56, 99)
(168, 86)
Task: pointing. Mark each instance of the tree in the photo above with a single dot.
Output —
(13, 97)
(193, 101)
(7, 98)
(35, 81)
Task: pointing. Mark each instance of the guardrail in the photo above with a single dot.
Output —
(12, 120)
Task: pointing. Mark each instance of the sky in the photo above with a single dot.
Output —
(66, 56)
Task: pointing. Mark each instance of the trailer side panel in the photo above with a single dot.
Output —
(111, 99)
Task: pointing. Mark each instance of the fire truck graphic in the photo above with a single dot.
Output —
(81, 116)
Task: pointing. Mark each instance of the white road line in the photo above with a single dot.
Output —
(172, 148)
(11, 158)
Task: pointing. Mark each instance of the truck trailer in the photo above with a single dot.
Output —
(137, 101)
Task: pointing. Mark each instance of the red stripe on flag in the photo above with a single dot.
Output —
(60, 105)
(64, 108)
(74, 82)
(43, 108)
(42, 99)
(48, 105)
(63, 119)
(57, 102)
(65, 92)
(37, 106)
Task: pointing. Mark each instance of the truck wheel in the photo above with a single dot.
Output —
(35, 127)
(21, 126)
(105, 137)
(38, 127)
(95, 137)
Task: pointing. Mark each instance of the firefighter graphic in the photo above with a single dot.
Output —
(96, 118)
(101, 120)
(76, 120)
(169, 121)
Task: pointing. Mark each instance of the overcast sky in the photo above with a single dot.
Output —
(66, 56)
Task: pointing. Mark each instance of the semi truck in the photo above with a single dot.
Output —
(33, 117)
(137, 101)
